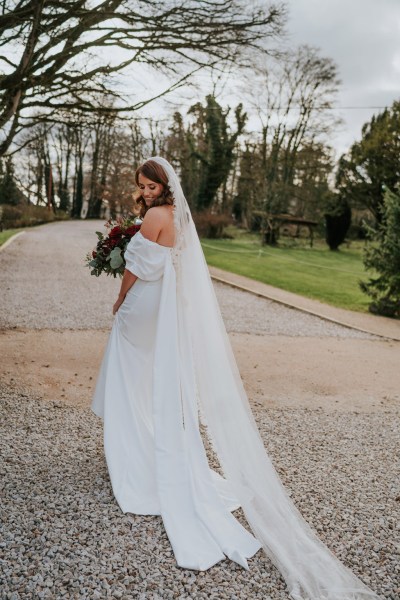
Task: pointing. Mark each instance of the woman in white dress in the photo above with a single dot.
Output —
(167, 365)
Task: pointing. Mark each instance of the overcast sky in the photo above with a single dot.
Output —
(363, 38)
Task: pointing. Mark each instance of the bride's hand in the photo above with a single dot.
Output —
(117, 305)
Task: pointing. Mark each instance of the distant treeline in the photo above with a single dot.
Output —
(83, 166)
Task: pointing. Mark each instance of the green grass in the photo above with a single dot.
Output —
(331, 277)
(5, 235)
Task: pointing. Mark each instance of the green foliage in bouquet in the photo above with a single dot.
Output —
(108, 256)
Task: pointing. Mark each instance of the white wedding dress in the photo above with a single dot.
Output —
(157, 462)
(167, 365)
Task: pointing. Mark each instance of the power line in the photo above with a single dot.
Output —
(362, 107)
(298, 106)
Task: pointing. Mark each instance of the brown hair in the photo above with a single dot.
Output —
(153, 171)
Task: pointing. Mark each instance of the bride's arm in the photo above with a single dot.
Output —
(150, 228)
(127, 282)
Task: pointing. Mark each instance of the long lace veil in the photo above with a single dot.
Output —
(310, 569)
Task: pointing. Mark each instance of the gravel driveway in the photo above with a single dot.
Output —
(63, 534)
(44, 284)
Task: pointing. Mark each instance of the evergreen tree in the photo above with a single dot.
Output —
(383, 256)
(214, 147)
(78, 195)
(63, 194)
(9, 192)
(372, 163)
(337, 220)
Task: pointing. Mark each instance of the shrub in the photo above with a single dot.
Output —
(9, 215)
(14, 217)
(337, 222)
(210, 225)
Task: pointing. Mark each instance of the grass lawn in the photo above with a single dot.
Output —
(5, 235)
(318, 273)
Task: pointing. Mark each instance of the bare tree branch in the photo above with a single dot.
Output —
(61, 41)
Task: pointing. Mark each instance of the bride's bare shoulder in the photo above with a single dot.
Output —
(158, 213)
(157, 224)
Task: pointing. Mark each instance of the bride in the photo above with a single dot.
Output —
(168, 367)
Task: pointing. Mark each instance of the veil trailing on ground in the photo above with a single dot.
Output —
(310, 569)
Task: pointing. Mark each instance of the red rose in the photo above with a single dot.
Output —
(115, 232)
(132, 229)
(94, 254)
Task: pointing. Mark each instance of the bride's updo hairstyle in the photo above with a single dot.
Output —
(153, 171)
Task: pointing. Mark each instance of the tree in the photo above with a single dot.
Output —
(80, 139)
(30, 163)
(50, 60)
(292, 97)
(249, 187)
(39, 182)
(102, 130)
(373, 163)
(179, 151)
(120, 177)
(213, 142)
(63, 142)
(78, 188)
(311, 187)
(383, 256)
(203, 152)
(9, 191)
(86, 163)
(337, 221)
(286, 167)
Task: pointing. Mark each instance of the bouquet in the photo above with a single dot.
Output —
(108, 256)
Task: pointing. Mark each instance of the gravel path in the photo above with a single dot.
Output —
(64, 536)
(39, 293)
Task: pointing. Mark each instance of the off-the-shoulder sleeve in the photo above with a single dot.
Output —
(145, 258)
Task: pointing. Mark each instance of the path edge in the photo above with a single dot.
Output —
(300, 308)
(11, 239)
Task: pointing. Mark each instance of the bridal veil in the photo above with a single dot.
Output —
(310, 569)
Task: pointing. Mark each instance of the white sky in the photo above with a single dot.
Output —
(363, 38)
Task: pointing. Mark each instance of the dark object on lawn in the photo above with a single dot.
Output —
(337, 227)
